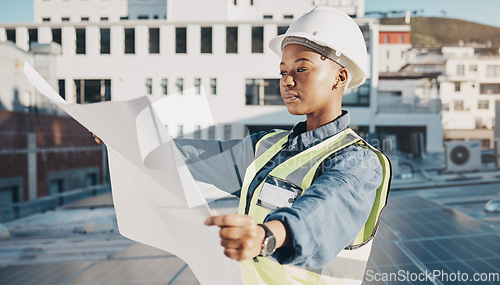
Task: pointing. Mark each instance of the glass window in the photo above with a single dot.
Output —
(149, 86)
(164, 86)
(92, 90)
(56, 36)
(47, 19)
(206, 40)
(359, 96)
(213, 86)
(180, 85)
(65, 19)
(473, 67)
(458, 105)
(287, 16)
(104, 19)
(263, 92)
(11, 35)
(458, 86)
(84, 19)
(9, 195)
(105, 41)
(489, 88)
(56, 186)
(211, 132)
(227, 132)
(197, 132)
(62, 88)
(282, 30)
(257, 39)
(180, 40)
(493, 71)
(483, 104)
(268, 17)
(460, 69)
(197, 85)
(33, 36)
(180, 131)
(154, 40)
(143, 17)
(130, 41)
(80, 41)
(232, 40)
(90, 179)
(123, 18)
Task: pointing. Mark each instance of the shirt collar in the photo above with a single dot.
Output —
(299, 135)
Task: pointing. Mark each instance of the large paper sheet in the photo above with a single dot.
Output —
(156, 199)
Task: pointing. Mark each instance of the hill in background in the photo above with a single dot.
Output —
(436, 32)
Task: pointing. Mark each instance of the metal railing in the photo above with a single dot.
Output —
(403, 105)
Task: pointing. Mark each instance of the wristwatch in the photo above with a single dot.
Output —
(269, 244)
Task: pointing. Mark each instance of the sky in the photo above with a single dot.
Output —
(480, 11)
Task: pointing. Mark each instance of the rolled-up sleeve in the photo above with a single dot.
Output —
(332, 211)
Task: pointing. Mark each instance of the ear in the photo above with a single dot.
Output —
(342, 78)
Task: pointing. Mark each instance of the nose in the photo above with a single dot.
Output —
(288, 81)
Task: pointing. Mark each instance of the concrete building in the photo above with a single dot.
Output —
(469, 90)
(394, 43)
(113, 54)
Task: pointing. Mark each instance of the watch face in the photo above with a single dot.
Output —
(270, 245)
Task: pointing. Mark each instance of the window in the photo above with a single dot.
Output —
(282, 30)
(359, 96)
(129, 41)
(387, 54)
(56, 36)
(251, 2)
(33, 36)
(123, 18)
(105, 41)
(149, 86)
(156, 17)
(180, 131)
(85, 19)
(211, 132)
(493, 71)
(197, 132)
(489, 88)
(483, 104)
(65, 19)
(143, 17)
(47, 19)
(90, 179)
(227, 132)
(213, 86)
(263, 92)
(62, 88)
(257, 39)
(56, 186)
(473, 68)
(401, 39)
(164, 86)
(386, 39)
(235, 2)
(458, 86)
(445, 106)
(268, 17)
(197, 85)
(287, 16)
(460, 69)
(154, 40)
(232, 40)
(458, 105)
(11, 35)
(92, 90)
(206, 40)
(180, 85)
(180, 40)
(104, 19)
(80, 41)
(9, 195)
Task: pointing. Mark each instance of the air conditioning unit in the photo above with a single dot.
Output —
(463, 156)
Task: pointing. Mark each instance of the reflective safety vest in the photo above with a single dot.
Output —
(349, 265)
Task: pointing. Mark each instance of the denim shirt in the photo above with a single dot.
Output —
(328, 215)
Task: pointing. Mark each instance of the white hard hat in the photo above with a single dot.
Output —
(333, 34)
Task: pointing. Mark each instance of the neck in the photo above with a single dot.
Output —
(314, 122)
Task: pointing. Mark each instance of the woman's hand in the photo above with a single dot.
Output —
(97, 139)
(240, 236)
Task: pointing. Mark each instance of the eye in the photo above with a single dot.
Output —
(283, 73)
(301, 69)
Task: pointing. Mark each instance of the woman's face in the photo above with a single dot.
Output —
(307, 81)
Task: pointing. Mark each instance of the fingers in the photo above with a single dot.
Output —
(97, 139)
(240, 236)
(230, 221)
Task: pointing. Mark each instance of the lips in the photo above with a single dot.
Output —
(289, 97)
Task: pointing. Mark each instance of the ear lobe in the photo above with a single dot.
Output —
(342, 78)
